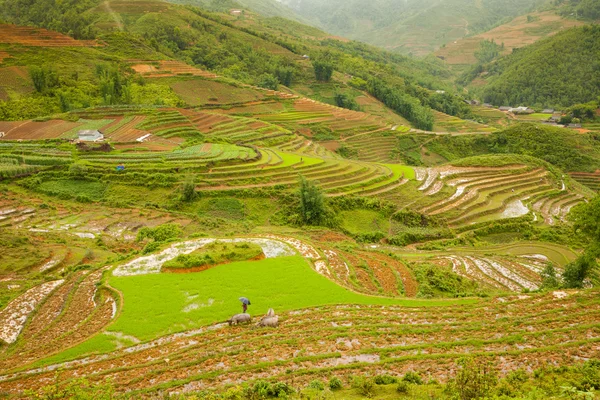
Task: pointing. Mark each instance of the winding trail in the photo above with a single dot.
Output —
(114, 15)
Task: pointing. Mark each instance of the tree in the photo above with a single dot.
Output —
(312, 202)
(323, 70)
(549, 278)
(188, 190)
(585, 219)
(345, 101)
(268, 81)
(578, 271)
(285, 76)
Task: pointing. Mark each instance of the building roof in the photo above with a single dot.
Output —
(90, 135)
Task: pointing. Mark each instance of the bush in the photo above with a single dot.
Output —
(403, 387)
(317, 385)
(335, 383)
(365, 386)
(150, 247)
(412, 377)
(591, 375)
(474, 380)
(161, 233)
(281, 389)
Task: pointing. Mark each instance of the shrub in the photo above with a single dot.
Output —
(316, 384)
(261, 389)
(474, 380)
(403, 387)
(365, 386)
(150, 247)
(591, 375)
(160, 233)
(412, 377)
(335, 383)
(281, 389)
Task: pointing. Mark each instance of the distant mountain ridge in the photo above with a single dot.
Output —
(409, 26)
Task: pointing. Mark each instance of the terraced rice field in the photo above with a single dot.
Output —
(307, 112)
(591, 180)
(205, 92)
(31, 130)
(483, 194)
(29, 36)
(167, 68)
(557, 328)
(447, 123)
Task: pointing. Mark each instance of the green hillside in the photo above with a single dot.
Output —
(555, 72)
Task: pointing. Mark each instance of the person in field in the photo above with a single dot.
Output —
(245, 304)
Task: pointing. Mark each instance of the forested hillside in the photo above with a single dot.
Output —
(62, 16)
(556, 72)
(256, 50)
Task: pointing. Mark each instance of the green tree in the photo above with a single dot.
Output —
(549, 278)
(585, 219)
(312, 202)
(285, 75)
(578, 271)
(323, 70)
(188, 190)
(268, 81)
(345, 101)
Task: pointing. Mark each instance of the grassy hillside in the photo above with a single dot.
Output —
(555, 72)
(521, 31)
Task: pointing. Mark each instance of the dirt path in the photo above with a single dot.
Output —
(114, 15)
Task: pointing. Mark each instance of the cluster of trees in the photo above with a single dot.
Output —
(66, 16)
(568, 150)
(488, 50)
(557, 72)
(404, 104)
(111, 84)
(587, 9)
(345, 101)
(211, 44)
(323, 70)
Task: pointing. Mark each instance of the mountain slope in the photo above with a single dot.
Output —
(557, 72)
(521, 31)
(411, 26)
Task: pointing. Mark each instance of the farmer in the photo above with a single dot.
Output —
(245, 303)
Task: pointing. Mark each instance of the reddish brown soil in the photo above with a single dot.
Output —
(29, 36)
(30, 130)
(354, 340)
